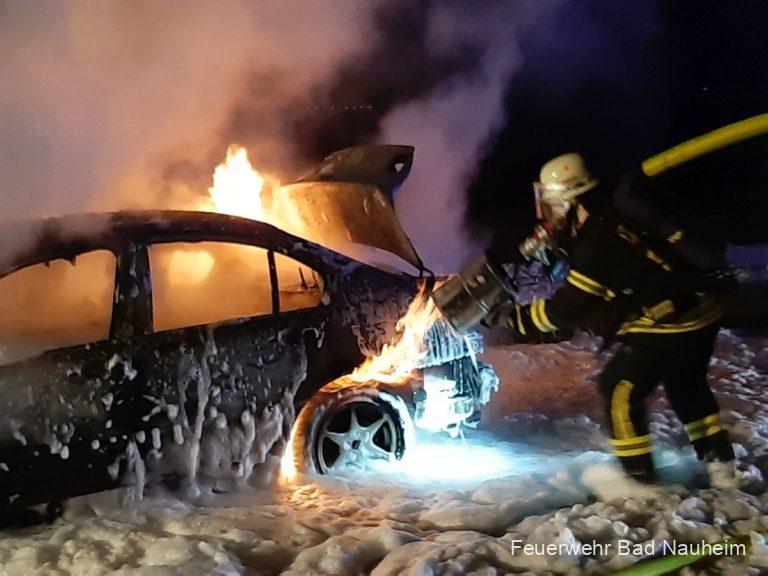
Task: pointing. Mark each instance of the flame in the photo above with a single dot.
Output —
(237, 190)
(237, 186)
(288, 471)
(404, 354)
(394, 364)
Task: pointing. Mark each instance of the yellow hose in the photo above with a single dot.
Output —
(720, 138)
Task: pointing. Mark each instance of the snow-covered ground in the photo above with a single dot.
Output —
(536, 473)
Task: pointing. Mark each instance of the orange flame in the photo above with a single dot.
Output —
(288, 470)
(398, 359)
(237, 186)
(236, 190)
(393, 365)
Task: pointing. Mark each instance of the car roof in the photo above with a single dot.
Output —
(37, 240)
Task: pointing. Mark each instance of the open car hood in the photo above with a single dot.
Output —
(346, 204)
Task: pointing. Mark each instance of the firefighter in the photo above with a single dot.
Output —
(639, 287)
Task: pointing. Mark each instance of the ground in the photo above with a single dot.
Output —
(536, 472)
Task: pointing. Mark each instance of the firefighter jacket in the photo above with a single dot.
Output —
(620, 284)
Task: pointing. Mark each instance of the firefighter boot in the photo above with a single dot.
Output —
(640, 468)
(723, 474)
(716, 455)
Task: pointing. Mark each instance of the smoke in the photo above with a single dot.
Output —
(403, 61)
(102, 102)
(127, 104)
(591, 82)
(452, 127)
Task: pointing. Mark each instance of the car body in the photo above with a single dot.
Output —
(179, 341)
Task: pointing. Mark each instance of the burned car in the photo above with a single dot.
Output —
(179, 345)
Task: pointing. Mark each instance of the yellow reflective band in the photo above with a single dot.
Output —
(622, 424)
(539, 316)
(675, 237)
(711, 419)
(544, 318)
(629, 442)
(628, 235)
(520, 324)
(708, 431)
(648, 326)
(588, 285)
(623, 453)
(586, 279)
(631, 446)
(584, 287)
(651, 255)
(660, 310)
(535, 317)
(707, 426)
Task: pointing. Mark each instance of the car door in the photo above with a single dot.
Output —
(59, 379)
(227, 352)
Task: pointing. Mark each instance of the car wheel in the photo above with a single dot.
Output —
(351, 429)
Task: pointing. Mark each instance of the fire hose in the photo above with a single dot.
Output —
(658, 565)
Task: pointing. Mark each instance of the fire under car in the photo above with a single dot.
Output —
(178, 346)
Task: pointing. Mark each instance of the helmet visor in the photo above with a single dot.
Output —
(550, 208)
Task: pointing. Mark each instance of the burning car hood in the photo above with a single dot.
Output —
(347, 203)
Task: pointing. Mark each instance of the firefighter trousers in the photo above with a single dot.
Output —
(679, 362)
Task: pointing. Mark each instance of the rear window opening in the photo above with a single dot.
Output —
(56, 304)
(196, 283)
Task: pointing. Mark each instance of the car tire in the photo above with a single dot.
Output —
(383, 420)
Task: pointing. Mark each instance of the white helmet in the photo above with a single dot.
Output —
(560, 181)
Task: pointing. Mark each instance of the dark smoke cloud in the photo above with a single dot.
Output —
(396, 64)
(430, 74)
(400, 64)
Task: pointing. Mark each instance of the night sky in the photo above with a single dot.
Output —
(617, 81)
(621, 81)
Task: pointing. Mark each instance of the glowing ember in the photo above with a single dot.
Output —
(237, 186)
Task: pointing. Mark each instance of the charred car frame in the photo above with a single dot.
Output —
(216, 398)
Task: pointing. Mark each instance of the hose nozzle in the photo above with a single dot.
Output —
(469, 297)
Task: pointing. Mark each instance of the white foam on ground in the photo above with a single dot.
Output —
(530, 477)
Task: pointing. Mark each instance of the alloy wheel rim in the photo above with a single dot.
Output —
(356, 437)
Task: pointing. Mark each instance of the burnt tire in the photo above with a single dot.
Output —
(383, 421)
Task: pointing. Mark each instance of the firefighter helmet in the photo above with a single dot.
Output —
(565, 177)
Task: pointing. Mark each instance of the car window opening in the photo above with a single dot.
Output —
(56, 304)
(299, 285)
(207, 282)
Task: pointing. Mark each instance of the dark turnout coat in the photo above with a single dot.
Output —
(624, 281)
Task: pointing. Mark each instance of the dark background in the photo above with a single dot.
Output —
(620, 81)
